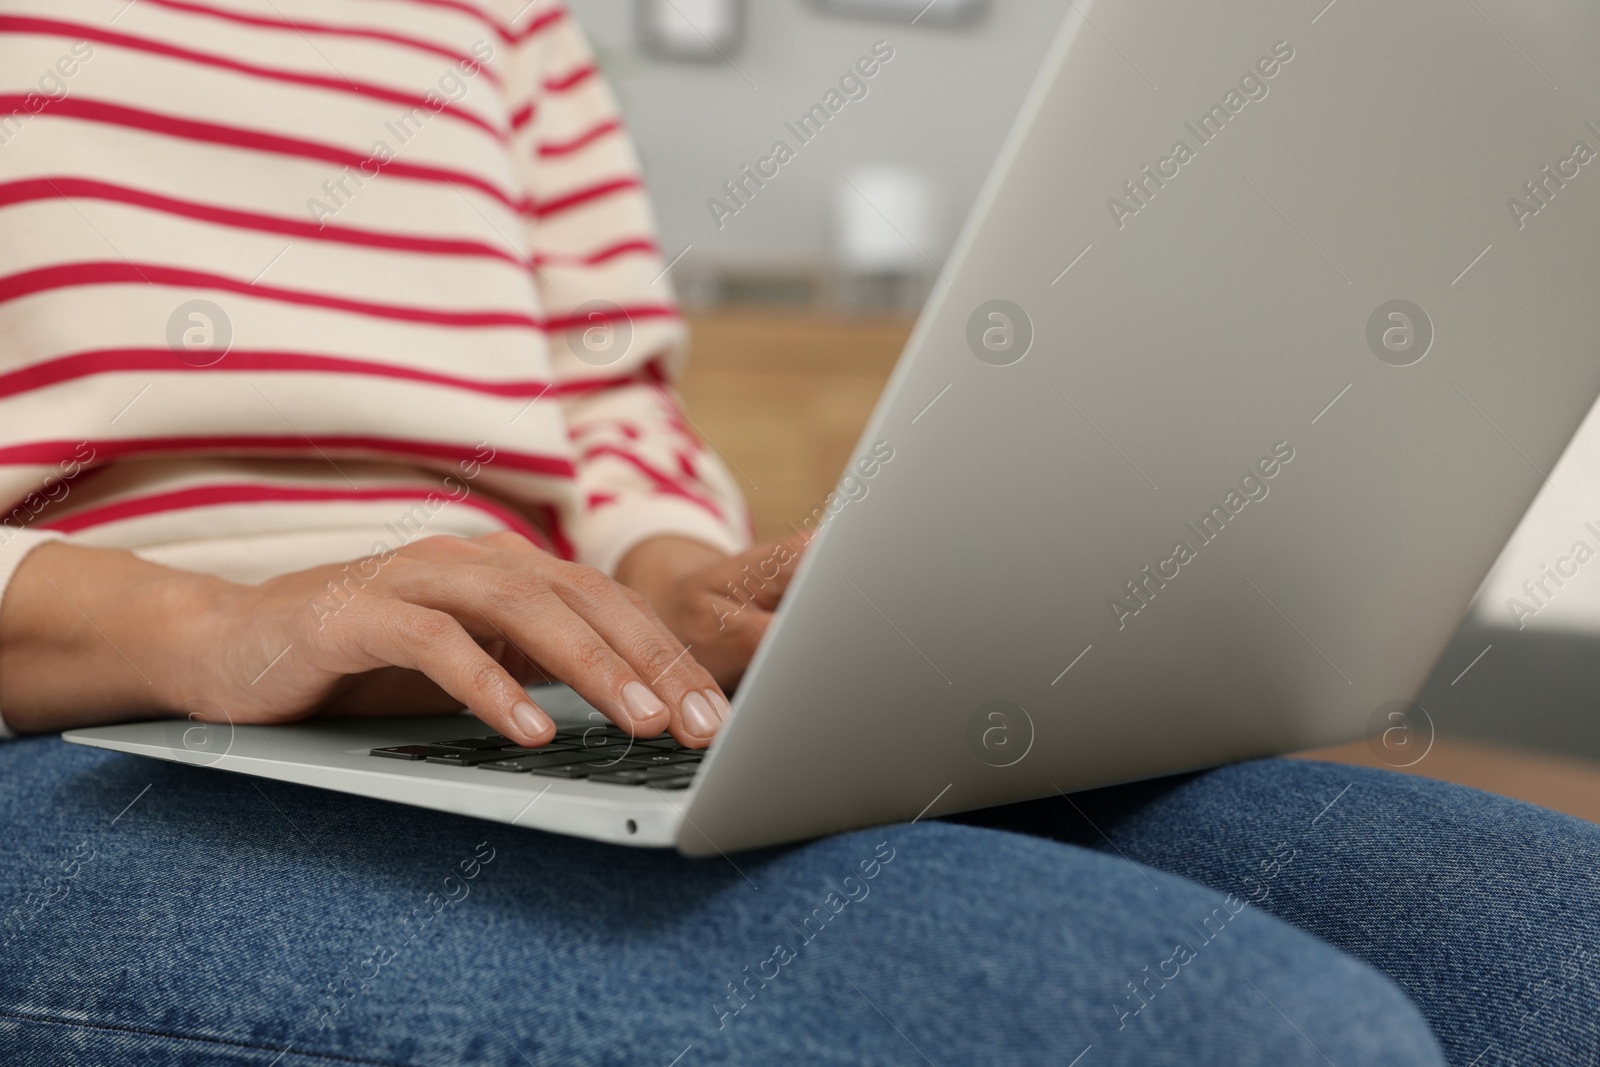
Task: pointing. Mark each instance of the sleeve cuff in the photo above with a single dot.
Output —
(612, 532)
(14, 548)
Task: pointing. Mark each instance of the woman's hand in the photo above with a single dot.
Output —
(719, 605)
(89, 636)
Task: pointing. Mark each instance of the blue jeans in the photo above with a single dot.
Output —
(1273, 913)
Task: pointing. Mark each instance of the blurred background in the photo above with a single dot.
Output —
(802, 273)
(917, 145)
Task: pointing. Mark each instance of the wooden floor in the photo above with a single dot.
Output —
(783, 396)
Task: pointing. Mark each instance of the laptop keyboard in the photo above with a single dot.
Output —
(592, 753)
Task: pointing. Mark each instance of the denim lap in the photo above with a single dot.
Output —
(194, 916)
(1484, 910)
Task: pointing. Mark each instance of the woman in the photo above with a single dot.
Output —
(337, 377)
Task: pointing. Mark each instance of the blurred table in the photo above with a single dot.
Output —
(784, 395)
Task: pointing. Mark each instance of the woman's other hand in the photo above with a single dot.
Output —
(718, 605)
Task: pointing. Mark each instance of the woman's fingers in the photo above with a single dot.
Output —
(668, 669)
(576, 624)
(527, 611)
(622, 618)
(712, 688)
(394, 632)
(515, 553)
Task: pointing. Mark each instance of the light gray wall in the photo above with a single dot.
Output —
(943, 105)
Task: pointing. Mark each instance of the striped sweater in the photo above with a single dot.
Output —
(285, 280)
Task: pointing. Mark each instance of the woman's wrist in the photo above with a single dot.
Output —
(90, 636)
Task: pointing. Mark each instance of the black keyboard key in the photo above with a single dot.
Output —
(471, 743)
(411, 752)
(677, 770)
(657, 758)
(609, 735)
(666, 744)
(555, 746)
(595, 731)
(603, 753)
(471, 758)
(511, 765)
(485, 744)
(675, 776)
(633, 777)
(531, 759)
(591, 744)
(565, 770)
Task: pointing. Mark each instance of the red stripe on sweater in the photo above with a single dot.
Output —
(539, 23)
(596, 258)
(47, 453)
(257, 141)
(69, 275)
(303, 26)
(572, 79)
(260, 141)
(647, 375)
(523, 114)
(80, 31)
(663, 481)
(552, 524)
(563, 322)
(32, 189)
(157, 360)
(580, 197)
(223, 495)
(583, 140)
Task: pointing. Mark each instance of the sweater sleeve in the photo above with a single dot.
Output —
(14, 547)
(617, 341)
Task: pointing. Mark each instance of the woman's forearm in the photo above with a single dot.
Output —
(88, 635)
(91, 636)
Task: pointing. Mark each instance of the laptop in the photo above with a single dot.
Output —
(1264, 332)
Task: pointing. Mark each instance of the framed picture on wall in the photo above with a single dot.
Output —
(698, 31)
(924, 13)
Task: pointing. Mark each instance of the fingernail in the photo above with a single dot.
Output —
(529, 719)
(640, 703)
(719, 703)
(698, 716)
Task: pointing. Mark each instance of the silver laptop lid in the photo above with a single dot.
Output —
(1256, 347)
